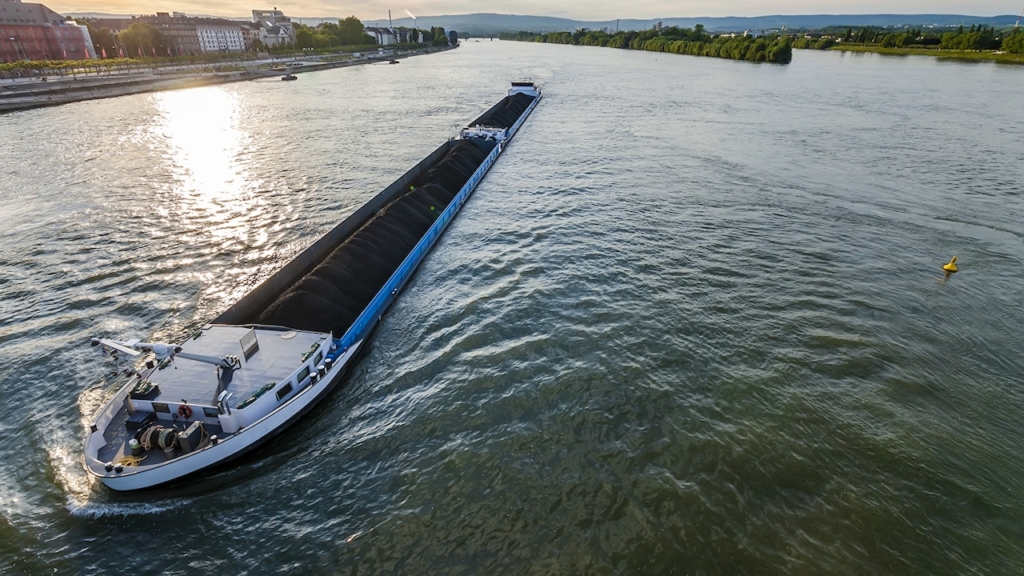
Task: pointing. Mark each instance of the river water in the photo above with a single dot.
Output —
(693, 321)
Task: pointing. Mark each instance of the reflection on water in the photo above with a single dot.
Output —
(201, 133)
(201, 137)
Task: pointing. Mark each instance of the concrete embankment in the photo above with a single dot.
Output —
(37, 94)
(66, 92)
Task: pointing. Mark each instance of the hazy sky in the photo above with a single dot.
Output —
(589, 10)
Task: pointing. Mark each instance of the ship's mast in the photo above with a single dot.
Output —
(1017, 25)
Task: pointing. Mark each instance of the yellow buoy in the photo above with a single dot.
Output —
(951, 267)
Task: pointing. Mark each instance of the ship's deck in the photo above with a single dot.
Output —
(279, 355)
(117, 437)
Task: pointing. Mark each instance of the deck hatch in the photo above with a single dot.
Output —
(249, 343)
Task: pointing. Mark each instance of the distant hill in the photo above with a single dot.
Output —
(486, 24)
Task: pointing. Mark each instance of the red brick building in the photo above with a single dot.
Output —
(30, 31)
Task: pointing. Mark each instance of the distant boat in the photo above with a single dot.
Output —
(393, 62)
(287, 77)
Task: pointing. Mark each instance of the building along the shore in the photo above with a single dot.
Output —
(190, 35)
(382, 36)
(30, 31)
(220, 35)
(179, 32)
(275, 29)
(388, 36)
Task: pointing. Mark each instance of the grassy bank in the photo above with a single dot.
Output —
(950, 54)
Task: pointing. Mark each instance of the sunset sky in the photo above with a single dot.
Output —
(591, 10)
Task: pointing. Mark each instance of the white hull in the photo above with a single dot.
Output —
(211, 456)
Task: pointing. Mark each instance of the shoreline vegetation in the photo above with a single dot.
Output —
(935, 53)
(694, 41)
(975, 44)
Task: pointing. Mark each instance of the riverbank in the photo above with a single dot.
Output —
(43, 93)
(944, 54)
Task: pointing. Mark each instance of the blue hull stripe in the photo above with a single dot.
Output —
(361, 328)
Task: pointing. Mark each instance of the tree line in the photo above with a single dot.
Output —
(674, 40)
(351, 32)
(976, 38)
(347, 32)
(138, 40)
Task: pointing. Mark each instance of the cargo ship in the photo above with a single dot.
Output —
(268, 359)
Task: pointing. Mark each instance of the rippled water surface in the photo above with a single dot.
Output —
(693, 321)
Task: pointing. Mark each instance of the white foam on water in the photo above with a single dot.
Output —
(88, 509)
(83, 495)
(91, 400)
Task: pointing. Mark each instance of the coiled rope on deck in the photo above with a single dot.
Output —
(129, 460)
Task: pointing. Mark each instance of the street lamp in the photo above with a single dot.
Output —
(16, 53)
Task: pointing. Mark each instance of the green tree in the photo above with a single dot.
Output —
(103, 41)
(143, 39)
(324, 40)
(351, 31)
(304, 37)
(332, 29)
(1014, 43)
(440, 37)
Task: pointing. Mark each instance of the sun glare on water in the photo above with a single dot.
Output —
(208, 195)
(203, 135)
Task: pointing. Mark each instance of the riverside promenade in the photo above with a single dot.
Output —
(24, 94)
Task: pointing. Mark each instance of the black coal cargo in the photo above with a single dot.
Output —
(339, 288)
(506, 112)
(333, 281)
